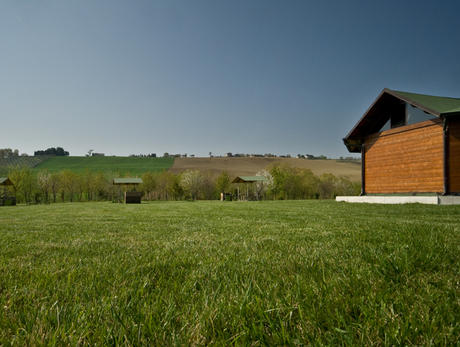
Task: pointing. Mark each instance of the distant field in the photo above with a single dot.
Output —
(276, 273)
(123, 165)
(250, 166)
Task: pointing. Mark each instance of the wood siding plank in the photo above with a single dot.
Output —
(454, 156)
(406, 160)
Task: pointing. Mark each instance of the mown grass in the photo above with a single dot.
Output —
(122, 165)
(263, 273)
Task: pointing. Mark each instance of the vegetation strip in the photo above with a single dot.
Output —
(280, 182)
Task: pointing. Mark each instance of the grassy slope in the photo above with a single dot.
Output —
(114, 164)
(193, 273)
(250, 166)
(6, 164)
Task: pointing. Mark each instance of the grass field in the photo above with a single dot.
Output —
(262, 273)
(122, 165)
(250, 166)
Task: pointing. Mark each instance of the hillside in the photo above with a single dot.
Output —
(5, 164)
(250, 166)
(136, 166)
(122, 165)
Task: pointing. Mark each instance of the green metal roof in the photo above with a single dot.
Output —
(439, 105)
(249, 179)
(127, 180)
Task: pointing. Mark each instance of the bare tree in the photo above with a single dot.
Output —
(44, 182)
(54, 184)
(192, 181)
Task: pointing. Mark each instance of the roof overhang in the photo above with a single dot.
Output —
(127, 181)
(451, 114)
(5, 181)
(249, 179)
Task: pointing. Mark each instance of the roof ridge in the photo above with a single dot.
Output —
(435, 96)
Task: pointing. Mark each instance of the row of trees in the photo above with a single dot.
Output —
(231, 155)
(57, 151)
(6, 153)
(271, 155)
(281, 183)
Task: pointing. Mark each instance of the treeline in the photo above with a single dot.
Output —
(57, 151)
(281, 183)
(231, 155)
(271, 155)
(6, 153)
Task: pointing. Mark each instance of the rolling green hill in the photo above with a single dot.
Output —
(121, 165)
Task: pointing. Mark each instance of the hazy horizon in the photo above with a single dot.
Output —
(213, 76)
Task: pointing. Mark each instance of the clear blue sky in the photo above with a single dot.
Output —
(254, 76)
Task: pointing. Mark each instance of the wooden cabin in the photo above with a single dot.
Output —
(409, 143)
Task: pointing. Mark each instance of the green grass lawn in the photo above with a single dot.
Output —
(268, 273)
(122, 165)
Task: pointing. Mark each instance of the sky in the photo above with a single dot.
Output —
(240, 76)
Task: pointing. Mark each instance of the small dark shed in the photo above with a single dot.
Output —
(7, 198)
(130, 196)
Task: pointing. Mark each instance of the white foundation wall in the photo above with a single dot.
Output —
(382, 199)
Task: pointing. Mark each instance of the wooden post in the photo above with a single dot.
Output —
(446, 157)
(363, 170)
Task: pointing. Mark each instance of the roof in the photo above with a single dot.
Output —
(436, 105)
(5, 181)
(377, 114)
(249, 179)
(127, 180)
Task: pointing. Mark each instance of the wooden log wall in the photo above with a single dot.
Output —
(408, 159)
(454, 156)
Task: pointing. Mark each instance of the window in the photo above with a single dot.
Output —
(416, 115)
(405, 116)
(398, 120)
(387, 126)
